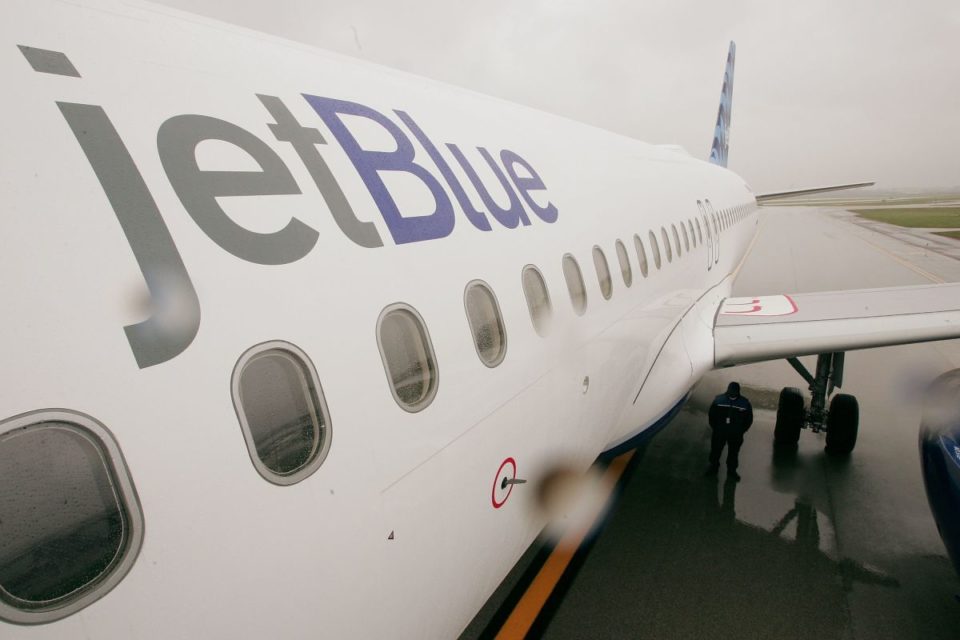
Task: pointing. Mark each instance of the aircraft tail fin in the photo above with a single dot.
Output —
(721, 134)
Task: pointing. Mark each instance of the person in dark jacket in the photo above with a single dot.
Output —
(730, 417)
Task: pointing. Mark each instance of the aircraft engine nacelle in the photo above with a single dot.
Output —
(940, 458)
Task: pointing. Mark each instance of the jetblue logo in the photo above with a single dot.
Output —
(176, 316)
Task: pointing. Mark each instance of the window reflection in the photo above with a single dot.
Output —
(486, 323)
(575, 286)
(538, 299)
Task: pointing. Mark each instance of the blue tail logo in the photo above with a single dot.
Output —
(721, 135)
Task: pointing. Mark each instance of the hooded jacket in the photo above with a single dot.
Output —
(732, 414)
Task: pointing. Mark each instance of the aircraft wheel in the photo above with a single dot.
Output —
(842, 422)
(790, 417)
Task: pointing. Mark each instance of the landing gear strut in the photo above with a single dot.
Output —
(840, 421)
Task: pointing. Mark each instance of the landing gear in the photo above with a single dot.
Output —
(790, 417)
(840, 421)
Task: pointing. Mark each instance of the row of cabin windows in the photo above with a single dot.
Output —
(691, 232)
(77, 530)
(287, 424)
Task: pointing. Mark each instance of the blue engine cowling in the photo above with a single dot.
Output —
(940, 458)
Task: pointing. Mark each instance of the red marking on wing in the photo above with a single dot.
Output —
(792, 304)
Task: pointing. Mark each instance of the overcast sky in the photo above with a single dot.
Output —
(825, 91)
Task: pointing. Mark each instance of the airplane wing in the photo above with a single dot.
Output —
(754, 329)
(764, 198)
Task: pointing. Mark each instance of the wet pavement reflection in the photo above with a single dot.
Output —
(689, 556)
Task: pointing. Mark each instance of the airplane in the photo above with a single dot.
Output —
(286, 332)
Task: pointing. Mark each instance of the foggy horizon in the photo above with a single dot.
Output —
(823, 94)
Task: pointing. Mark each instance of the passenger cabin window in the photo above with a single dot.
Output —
(282, 411)
(641, 254)
(655, 248)
(486, 323)
(699, 231)
(70, 522)
(686, 237)
(578, 292)
(625, 269)
(408, 357)
(538, 299)
(666, 244)
(603, 273)
(676, 240)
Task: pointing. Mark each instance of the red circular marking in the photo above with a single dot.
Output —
(496, 481)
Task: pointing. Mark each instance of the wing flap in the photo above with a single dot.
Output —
(774, 327)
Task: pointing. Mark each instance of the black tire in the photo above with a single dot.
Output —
(790, 416)
(843, 420)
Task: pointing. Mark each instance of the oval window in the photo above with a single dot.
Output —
(407, 357)
(70, 522)
(655, 249)
(282, 411)
(676, 240)
(538, 299)
(699, 231)
(486, 323)
(625, 269)
(666, 244)
(603, 273)
(686, 238)
(578, 292)
(641, 254)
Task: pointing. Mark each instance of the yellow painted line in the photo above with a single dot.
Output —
(531, 603)
(909, 265)
(906, 263)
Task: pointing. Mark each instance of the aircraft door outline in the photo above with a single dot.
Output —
(716, 231)
(706, 224)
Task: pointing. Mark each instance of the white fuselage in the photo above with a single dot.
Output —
(226, 553)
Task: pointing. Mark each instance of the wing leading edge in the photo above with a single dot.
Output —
(764, 198)
(774, 327)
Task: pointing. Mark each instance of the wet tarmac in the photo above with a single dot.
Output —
(923, 239)
(806, 545)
